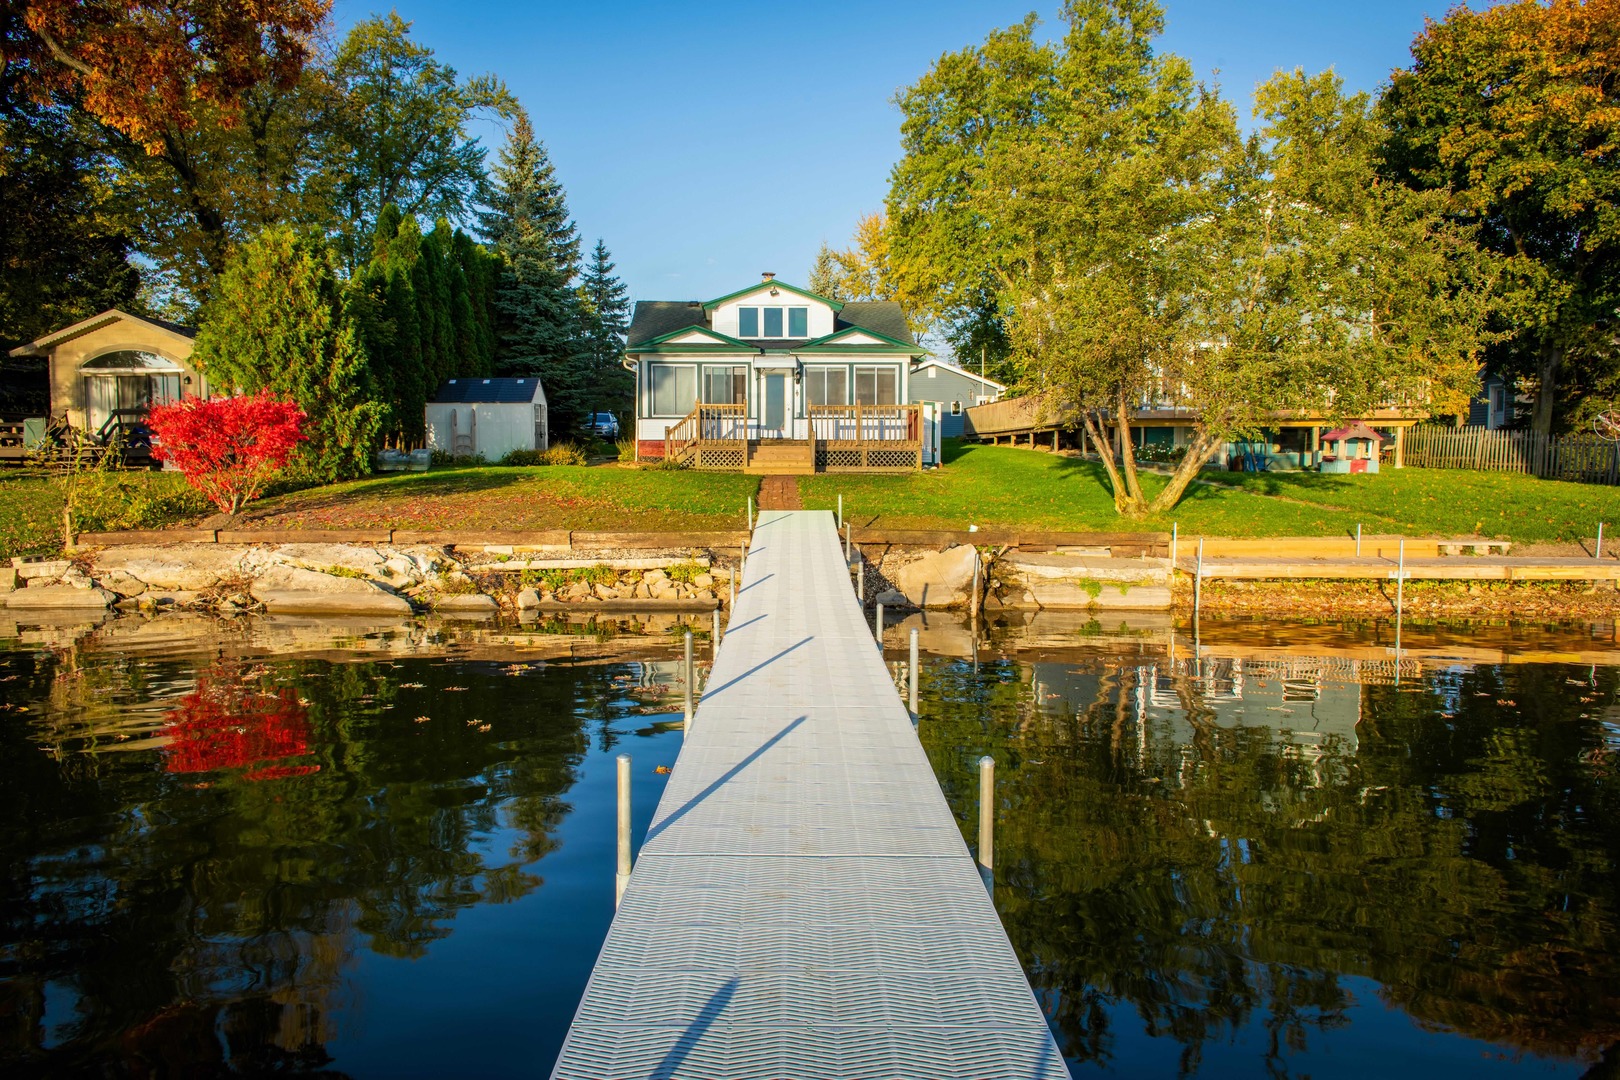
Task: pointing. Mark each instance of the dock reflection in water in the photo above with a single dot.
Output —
(387, 850)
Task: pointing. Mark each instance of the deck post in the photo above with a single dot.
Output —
(912, 675)
(879, 631)
(621, 880)
(987, 819)
(689, 672)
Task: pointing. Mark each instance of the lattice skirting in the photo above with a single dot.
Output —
(721, 459)
(833, 458)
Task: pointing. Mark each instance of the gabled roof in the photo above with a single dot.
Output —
(96, 322)
(656, 318)
(773, 284)
(837, 339)
(885, 317)
(486, 391)
(715, 340)
(655, 321)
(956, 369)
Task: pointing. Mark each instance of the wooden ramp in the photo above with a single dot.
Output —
(804, 905)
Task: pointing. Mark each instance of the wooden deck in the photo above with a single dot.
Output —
(804, 904)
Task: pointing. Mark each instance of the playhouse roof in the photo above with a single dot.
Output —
(1356, 429)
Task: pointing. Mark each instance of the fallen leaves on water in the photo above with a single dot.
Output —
(423, 719)
(662, 770)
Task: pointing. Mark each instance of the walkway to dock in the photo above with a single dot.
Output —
(804, 905)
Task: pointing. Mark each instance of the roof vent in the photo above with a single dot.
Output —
(768, 275)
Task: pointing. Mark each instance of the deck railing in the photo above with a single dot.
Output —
(715, 426)
(888, 424)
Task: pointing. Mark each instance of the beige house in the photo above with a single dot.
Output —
(115, 365)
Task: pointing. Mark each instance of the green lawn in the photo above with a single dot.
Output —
(30, 515)
(495, 497)
(992, 486)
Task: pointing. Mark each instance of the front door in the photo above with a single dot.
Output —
(773, 420)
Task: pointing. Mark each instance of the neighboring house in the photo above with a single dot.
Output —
(773, 378)
(487, 418)
(954, 390)
(109, 369)
(1495, 406)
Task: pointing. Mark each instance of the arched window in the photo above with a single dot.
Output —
(124, 384)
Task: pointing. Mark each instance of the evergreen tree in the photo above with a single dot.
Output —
(281, 321)
(537, 312)
(605, 310)
(824, 275)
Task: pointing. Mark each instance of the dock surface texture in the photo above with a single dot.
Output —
(804, 904)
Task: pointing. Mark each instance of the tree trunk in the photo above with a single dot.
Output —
(1127, 453)
(1203, 447)
(1541, 416)
(1123, 502)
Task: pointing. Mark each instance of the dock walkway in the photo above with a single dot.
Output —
(804, 904)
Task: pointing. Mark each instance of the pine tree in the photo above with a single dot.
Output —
(536, 309)
(280, 320)
(605, 313)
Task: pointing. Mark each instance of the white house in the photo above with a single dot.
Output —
(488, 418)
(774, 378)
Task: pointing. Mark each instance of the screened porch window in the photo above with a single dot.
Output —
(725, 385)
(877, 386)
(674, 388)
(826, 386)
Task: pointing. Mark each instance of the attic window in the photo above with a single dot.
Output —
(773, 322)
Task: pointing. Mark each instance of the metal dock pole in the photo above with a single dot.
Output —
(1358, 539)
(1598, 551)
(714, 635)
(841, 521)
(987, 821)
(621, 880)
(879, 632)
(912, 670)
(846, 543)
(733, 592)
(689, 674)
(1198, 579)
(860, 577)
(750, 513)
(1175, 536)
(1400, 580)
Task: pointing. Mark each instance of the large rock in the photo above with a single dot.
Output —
(58, 598)
(291, 589)
(321, 557)
(1083, 582)
(528, 600)
(939, 580)
(121, 582)
(188, 567)
(466, 604)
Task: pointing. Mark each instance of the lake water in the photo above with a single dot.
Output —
(380, 851)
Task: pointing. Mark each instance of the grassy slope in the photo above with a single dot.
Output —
(1004, 486)
(30, 516)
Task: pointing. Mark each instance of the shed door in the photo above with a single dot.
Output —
(540, 428)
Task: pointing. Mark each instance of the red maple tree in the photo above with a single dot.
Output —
(227, 448)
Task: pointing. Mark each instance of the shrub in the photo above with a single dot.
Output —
(524, 457)
(227, 448)
(440, 458)
(668, 464)
(564, 454)
(626, 449)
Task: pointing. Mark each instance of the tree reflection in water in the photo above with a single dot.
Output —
(198, 858)
(1229, 850)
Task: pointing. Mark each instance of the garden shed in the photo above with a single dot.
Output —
(487, 418)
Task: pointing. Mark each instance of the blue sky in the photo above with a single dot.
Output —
(708, 142)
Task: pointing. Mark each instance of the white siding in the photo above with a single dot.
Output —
(820, 316)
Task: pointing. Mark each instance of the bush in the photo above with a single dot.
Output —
(116, 501)
(564, 453)
(626, 449)
(524, 457)
(440, 458)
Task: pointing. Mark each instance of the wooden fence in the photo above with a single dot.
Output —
(1585, 458)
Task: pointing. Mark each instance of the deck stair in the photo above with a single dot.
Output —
(780, 457)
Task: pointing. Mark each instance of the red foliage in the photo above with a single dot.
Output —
(228, 448)
(224, 724)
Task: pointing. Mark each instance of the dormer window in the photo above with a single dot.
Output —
(770, 322)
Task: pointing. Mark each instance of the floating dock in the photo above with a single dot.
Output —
(804, 905)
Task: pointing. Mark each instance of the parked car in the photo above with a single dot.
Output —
(603, 425)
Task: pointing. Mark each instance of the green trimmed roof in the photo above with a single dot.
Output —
(773, 284)
(696, 328)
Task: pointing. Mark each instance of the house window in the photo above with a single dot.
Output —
(771, 322)
(674, 388)
(725, 385)
(877, 386)
(826, 386)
